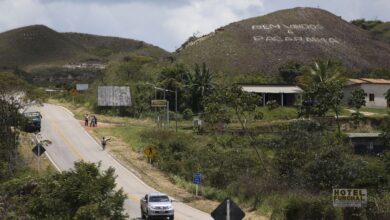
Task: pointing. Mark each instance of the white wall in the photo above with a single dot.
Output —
(377, 89)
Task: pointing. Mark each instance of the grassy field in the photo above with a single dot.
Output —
(381, 111)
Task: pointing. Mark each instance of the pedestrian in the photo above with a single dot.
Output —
(92, 122)
(86, 117)
(95, 120)
(104, 142)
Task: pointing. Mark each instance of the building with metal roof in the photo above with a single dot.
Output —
(284, 95)
(375, 89)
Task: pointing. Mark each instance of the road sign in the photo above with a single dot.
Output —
(159, 103)
(38, 150)
(150, 151)
(73, 92)
(197, 178)
(81, 87)
(228, 210)
(349, 198)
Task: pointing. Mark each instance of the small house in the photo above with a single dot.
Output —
(367, 143)
(284, 95)
(374, 88)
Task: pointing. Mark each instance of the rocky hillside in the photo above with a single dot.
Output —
(262, 44)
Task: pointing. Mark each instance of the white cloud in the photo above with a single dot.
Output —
(202, 17)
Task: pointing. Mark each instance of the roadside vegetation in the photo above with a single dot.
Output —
(281, 162)
(85, 192)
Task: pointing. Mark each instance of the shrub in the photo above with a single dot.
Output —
(272, 104)
(187, 114)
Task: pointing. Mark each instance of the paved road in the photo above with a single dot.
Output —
(70, 143)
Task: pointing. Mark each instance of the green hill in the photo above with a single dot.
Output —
(108, 47)
(382, 30)
(262, 44)
(35, 45)
(39, 47)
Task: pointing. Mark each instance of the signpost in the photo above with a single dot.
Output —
(38, 150)
(349, 198)
(228, 210)
(150, 151)
(73, 93)
(81, 87)
(159, 103)
(197, 179)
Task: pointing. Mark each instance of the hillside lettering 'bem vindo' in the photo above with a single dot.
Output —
(262, 44)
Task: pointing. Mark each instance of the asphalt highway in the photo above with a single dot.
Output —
(70, 142)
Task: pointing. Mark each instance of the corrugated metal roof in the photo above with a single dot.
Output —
(271, 89)
(378, 81)
(363, 135)
(367, 81)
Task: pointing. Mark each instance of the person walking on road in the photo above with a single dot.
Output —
(86, 117)
(104, 142)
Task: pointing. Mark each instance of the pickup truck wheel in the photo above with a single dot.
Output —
(171, 217)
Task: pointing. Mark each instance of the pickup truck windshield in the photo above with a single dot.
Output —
(159, 199)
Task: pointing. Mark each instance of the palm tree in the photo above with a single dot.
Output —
(201, 84)
(325, 74)
(321, 71)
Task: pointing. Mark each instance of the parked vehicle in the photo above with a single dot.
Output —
(157, 205)
(33, 121)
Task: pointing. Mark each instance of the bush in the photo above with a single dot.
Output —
(305, 208)
(272, 104)
(187, 114)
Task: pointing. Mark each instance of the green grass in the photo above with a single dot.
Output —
(281, 113)
(382, 111)
(129, 134)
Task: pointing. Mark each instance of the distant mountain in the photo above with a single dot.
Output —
(39, 45)
(262, 44)
(103, 46)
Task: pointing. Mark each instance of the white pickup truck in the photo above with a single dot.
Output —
(156, 205)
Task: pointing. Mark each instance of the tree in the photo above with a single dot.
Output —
(77, 193)
(323, 85)
(357, 99)
(366, 24)
(321, 71)
(387, 95)
(290, 71)
(176, 77)
(233, 98)
(201, 85)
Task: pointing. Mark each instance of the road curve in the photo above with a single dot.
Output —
(70, 142)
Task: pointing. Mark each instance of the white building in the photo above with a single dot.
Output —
(374, 88)
(284, 95)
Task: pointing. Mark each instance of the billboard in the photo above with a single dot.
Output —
(81, 87)
(114, 96)
(349, 197)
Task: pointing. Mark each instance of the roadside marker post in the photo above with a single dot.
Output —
(38, 150)
(73, 93)
(150, 151)
(197, 179)
(227, 210)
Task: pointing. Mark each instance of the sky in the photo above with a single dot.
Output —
(165, 23)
